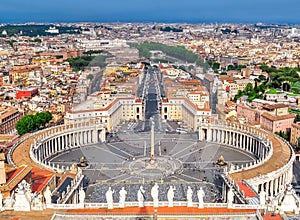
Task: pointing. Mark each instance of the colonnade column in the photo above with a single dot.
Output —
(280, 182)
(56, 144)
(251, 149)
(89, 136)
(276, 186)
(73, 139)
(241, 140)
(209, 134)
(267, 188)
(96, 135)
(271, 187)
(234, 138)
(244, 142)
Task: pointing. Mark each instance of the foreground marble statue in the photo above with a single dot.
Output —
(230, 196)
(47, 196)
(122, 197)
(200, 195)
(170, 196)
(141, 196)
(9, 201)
(154, 195)
(109, 198)
(81, 196)
(23, 197)
(262, 198)
(189, 197)
(290, 201)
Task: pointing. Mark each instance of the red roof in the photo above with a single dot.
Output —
(14, 173)
(248, 192)
(70, 175)
(40, 178)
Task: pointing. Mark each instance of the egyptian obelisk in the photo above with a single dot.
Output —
(152, 142)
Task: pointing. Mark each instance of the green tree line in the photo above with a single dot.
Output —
(284, 74)
(256, 92)
(82, 62)
(30, 123)
(178, 52)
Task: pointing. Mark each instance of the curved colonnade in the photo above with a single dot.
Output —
(49, 142)
(271, 172)
(273, 168)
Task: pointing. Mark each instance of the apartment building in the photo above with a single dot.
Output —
(276, 118)
(183, 109)
(295, 133)
(8, 119)
(106, 110)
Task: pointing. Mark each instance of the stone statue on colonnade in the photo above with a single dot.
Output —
(109, 198)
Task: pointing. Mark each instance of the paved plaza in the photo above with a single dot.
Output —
(180, 160)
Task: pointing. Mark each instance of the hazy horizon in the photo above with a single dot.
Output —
(157, 11)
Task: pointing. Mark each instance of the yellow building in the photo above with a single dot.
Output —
(295, 133)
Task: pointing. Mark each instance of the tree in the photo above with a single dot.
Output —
(37, 40)
(248, 88)
(262, 78)
(90, 76)
(241, 67)
(230, 67)
(297, 119)
(283, 135)
(30, 123)
(215, 66)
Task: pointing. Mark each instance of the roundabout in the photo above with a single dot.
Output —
(162, 167)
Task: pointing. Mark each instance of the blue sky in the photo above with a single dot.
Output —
(237, 11)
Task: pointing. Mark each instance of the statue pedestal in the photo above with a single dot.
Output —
(141, 204)
(110, 206)
(80, 206)
(22, 203)
(190, 204)
(152, 161)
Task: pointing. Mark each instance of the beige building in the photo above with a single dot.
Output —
(107, 110)
(295, 133)
(183, 109)
(233, 86)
